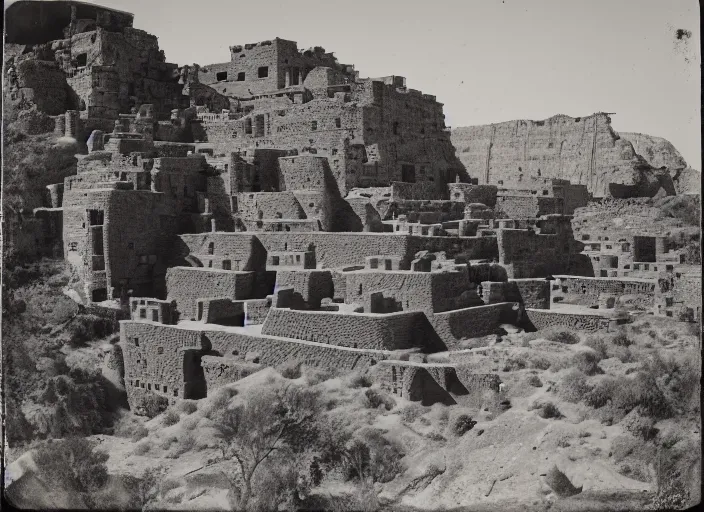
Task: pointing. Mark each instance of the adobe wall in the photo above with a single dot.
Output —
(219, 371)
(170, 356)
(311, 285)
(455, 326)
(468, 193)
(583, 150)
(221, 311)
(256, 310)
(423, 190)
(44, 84)
(532, 293)
(525, 254)
(542, 319)
(244, 248)
(186, 285)
(636, 294)
(253, 206)
(423, 291)
(393, 331)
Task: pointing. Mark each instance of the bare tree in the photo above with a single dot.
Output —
(251, 432)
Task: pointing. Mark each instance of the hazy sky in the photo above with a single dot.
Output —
(486, 60)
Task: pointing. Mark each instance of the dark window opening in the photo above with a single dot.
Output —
(96, 217)
(221, 76)
(142, 313)
(155, 315)
(408, 173)
(81, 60)
(338, 122)
(274, 260)
(99, 294)
(248, 126)
(160, 350)
(211, 248)
(263, 72)
(644, 248)
(226, 265)
(314, 125)
(240, 76)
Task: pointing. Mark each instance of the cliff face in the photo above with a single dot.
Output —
(660, 152)
(584, 150)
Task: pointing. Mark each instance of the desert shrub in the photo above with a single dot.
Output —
(290, 369)
(315, 376)
(587, 363)
(563, 441)
(641, 391)
(671, 334)
(622, 340)
(560, 484)
(371, 457)
(584, 433)
(190, 422)
(638, 424)
(73, 464)
(513, 363)
(187, 407)
(598, 344)
(534, 380)
(626, 446)
(573, 386)
(142, 448)
(562, 336)
(151, 405)
(360, 380)
(170, 417)
(168, 441)
(375, 398)
(462, 424)
(139, 433)
(184, 444)
(411, 412)
(601, 392)
(86, 327)
(539, 362)
(546, 410)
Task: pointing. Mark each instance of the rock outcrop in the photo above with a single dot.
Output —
(660, 152)
(584, 150)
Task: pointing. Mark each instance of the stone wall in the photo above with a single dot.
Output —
(461, 324)
(186, 285)
(392, 331)
(542, 319)
(219, 371)
(635, 294)
(310, 285)
(525, 254)
(532, 293)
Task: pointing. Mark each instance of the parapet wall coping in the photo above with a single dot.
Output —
(254, 331)
(611, 279)
(212, 269)
(575, 310)
(478, 308)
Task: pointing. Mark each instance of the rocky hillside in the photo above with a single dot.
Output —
(584, 150)
(660, 152)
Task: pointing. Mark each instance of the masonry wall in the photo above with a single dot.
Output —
(186, 285)
(542, 319)
(638, 294)
(455, 326)
(311, 285)
(532, 293)
(393, 331)
(524, 254)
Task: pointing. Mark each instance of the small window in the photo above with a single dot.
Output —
(165, 390)
(298, 258)
(226, 265)
(142, 313)
(155, 315)
(149, 386)
(338, 122)
(263, 72)
(240, 76)
(136, 383)
(211, 248)
(221, 76)
(314, 125)
(136, 342)
(82, 60)
(156, 386)
(160, 350)
(359, 292)
(175, 392)
(274, 260)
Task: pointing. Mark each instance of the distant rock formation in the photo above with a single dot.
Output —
(584, 150)
(660, 152)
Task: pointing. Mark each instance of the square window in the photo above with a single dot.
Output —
(160, 350)
(156, 386)
(240, 76)
(175, 392)
(314, 125)
(142, 313)
(221, 76)
(136, 342)
(274, 260)
(263, 72)
(338, 122)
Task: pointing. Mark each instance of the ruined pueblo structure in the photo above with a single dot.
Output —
(279, 207)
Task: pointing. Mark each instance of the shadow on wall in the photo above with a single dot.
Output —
(426, 337)
(425, 389)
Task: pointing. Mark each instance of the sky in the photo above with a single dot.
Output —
(486, 60)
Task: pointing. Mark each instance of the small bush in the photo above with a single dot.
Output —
(563, 336)
(151, 405)
(139, 433)
(412, 412)
(622, 340)
(560, 484)
(599, 345)
(547, 410)
(142, 448)
(360, 380)
(534, 380)
(290, 369)
(573, 386)
(187, 407)
(463, 423)
(602, 392)
(170, 417)
(376, 398)
(514, 363)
